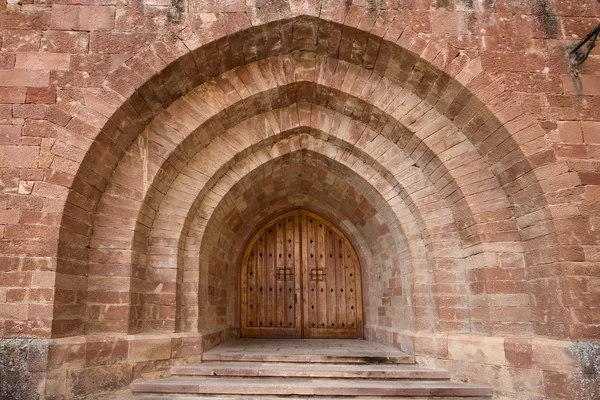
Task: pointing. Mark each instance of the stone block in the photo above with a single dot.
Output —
(97, 381)
(105, 350)
(82, 17)
(570, 131)
(518, 352)
(10, 134)
(431, 344)
(43, 61)
(553, 355)
(41, 95)
(24, 78)
(477, 349)
(11, 95)
(56, 384)
(149, 348)
(186, 345)
(591, 131)
(65, 42)
(15, 312)
(21, 40)
(67, 353)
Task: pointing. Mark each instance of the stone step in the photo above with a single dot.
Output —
(356, 371)
(310, 387)
(342, 351)
(360, 358)
(253, 397)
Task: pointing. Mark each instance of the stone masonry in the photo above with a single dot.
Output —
(142, 142)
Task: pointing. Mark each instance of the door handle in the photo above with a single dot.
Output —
(295, 298)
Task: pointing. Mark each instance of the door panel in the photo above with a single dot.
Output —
(299, 258)
(271, 281)
(332, 291)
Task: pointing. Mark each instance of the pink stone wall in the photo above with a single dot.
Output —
(142, 143)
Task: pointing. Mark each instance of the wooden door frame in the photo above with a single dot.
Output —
(299, 256)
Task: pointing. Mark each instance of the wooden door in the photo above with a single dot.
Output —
(301, 278)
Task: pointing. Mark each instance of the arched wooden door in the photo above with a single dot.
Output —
(301, 278)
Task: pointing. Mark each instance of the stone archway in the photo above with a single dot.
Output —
(136, 172)
(416, 137)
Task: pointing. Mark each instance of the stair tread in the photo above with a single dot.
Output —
(254, 397)
(308, 386)
(307, 350)
(314, 358)
(213, 368)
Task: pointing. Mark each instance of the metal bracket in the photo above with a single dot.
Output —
(581, 51)
(285, 274)
(317, 274)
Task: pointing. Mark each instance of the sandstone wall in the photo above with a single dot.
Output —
(142, 142)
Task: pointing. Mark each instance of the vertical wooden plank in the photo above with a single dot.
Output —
(352, 287)
(322, 282)
(270, 278)
(244, 292)
(250, 292)
(330, 276)
(260, 282)
(288, 262)
(309, 305)
(278, 288)
(299, 275)
(340, 275)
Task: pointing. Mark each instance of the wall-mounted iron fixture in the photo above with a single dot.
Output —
(581, 51)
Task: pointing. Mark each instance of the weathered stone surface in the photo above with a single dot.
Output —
(142, 143)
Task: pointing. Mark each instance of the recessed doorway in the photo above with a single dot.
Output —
(301, 278)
